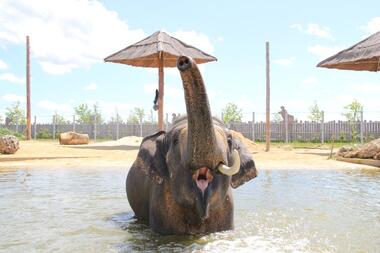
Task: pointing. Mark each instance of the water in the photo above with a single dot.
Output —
(76, 210)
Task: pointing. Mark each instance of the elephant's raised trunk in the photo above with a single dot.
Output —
(202, 148)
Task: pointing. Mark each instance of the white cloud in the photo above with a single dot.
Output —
(297, 27)
(57, 69)
(309, 82)
(52, 106)
(220, 39)
(287, 62)
(65, 35)
(109, 108)
(372, 26)
(314, 29)
(193, 38)
(91, 86)
(3, 65)
(366, 88)
(11, 78)
(14, 98)
(324, 52)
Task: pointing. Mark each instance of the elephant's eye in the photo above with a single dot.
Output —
(229, 141)
(175, 140)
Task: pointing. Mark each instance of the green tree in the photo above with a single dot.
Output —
(316, 114)
(231, 113)
(59, 119)
(96, 112)
(116, 118)
(86, 115)
(83, 113)
(136, 116)
(15, 114)
(352, 111)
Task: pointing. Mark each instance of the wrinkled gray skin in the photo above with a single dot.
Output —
(164, 184)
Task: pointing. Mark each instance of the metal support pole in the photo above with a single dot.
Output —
(141, 128)
(73, 123)
(361, 127)
(253, 126)
(53, 126)
(323, 128)
(286, 127)
(35, 127)
(117, 126)
(16, 124)
(95, 127)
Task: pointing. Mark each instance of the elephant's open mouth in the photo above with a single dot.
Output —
(202, 178)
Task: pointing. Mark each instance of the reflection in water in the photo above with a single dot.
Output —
(280, 211)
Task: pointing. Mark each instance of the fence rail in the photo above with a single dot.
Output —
(279, 131)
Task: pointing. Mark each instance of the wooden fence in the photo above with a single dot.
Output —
(295, 131)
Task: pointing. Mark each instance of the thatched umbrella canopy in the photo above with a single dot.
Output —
(159, 50)
(364, 55)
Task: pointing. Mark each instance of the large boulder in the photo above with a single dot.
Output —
(73, 138)
(370, 150)
(9, 144)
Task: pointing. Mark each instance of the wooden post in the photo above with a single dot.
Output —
(267, 118)
(361, 126)
(253, 126)
(16, 124)
(73, 123)
(28, 132)
(286, 127)
(53, 126)
(160, 91)
(117, 126)
(323, 128)
(35, 127)
(95, 127)
(141, 130)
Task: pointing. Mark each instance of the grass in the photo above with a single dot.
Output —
(312, 145)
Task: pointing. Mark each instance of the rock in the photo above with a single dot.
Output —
(370, 150)
(9, 144)
(72, 138)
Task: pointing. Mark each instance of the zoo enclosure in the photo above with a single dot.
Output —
(282, 131)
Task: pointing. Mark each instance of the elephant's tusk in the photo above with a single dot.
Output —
(229, 171)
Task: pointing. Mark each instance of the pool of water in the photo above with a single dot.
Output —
(72, 210)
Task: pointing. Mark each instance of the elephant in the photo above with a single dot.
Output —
(180, 182)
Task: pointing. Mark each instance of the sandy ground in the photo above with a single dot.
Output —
(49, 154)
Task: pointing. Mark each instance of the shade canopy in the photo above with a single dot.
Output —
(145, 53)
(159, 50)
(364, 55)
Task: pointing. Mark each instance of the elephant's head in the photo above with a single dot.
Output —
(198, 156)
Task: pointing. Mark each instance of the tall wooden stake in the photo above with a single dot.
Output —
(267, 123)
(28, 132)
(160, 92)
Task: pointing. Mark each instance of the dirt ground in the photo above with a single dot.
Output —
(49, 154)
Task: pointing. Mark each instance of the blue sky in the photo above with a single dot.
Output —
(69, 40)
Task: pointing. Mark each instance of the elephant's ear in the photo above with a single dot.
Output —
(247, 164)
(151, 157)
